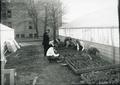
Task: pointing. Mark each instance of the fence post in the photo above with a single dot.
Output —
(12, 74)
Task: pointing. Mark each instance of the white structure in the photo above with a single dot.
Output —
(100, 26)
(6, 33)
(99, 29)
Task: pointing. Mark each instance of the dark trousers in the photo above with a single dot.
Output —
(52, 59)
(45, 49)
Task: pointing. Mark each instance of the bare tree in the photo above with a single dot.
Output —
(53, 12)
(46, 14)
(55, 15)
(33, 14)
(51, 16)
(46, 18)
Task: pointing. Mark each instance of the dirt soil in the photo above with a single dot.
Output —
(30, 63)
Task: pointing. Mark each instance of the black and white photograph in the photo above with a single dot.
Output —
(60, 42)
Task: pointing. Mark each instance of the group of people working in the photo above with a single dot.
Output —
(74, 43)
(50, 46)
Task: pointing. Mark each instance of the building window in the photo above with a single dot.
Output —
(30, 27)
(10, 24)
(3, 15)
(31, 35)
(9, 14)
(35, 35)
(22, 35)
(17, 35)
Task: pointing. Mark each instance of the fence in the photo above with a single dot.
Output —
(105, 39)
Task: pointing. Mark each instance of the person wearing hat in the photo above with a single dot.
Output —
(45, 42)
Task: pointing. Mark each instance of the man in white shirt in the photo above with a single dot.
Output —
(51, 54)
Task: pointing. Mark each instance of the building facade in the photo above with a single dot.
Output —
(16, 16)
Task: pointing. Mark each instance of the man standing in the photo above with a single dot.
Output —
(45, 42)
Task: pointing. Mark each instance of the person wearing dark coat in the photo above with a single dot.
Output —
(45, 42)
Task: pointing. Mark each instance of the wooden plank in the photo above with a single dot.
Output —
(71, 66)
(79, 83)
(2, 77)
(2, 64)
(12, 74)
(86, 80)
(69, 61)
(11, 54)
(80, 71)
(7, 71)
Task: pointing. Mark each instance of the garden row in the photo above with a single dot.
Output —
(90, 66)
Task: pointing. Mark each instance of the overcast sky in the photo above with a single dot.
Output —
(77, 8)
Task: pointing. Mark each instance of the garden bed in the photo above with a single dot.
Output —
(81, 60)
(92, 71)
(111, 76)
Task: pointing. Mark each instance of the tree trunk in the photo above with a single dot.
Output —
(119, 16)
(36, 26)
(54, 24)
(54, 32)
(46, 16)
(54, 28)
(119, 20)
